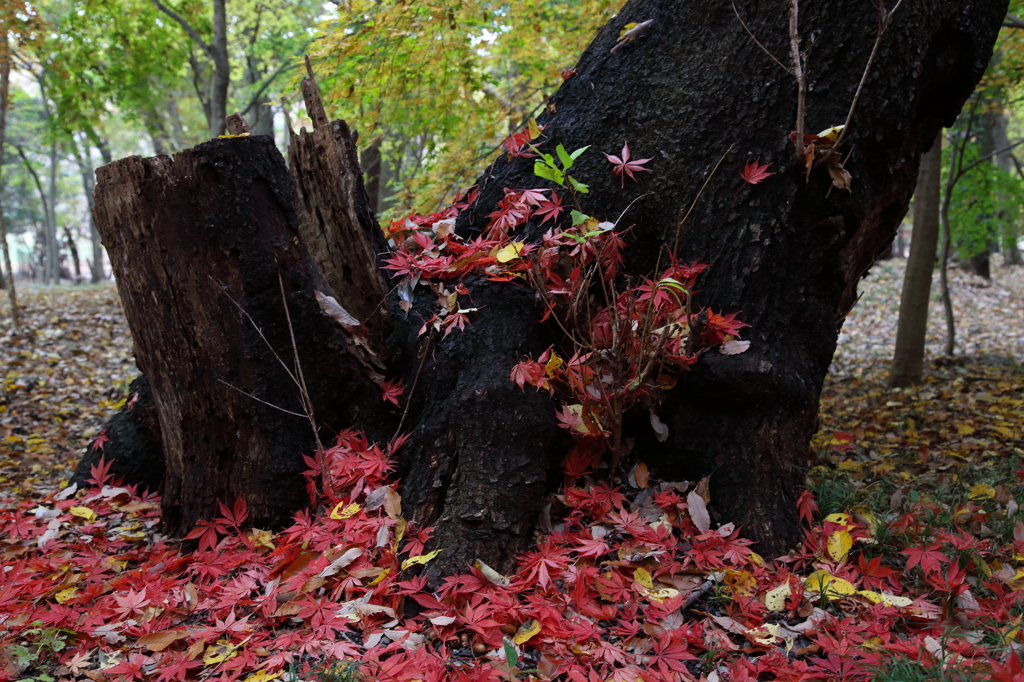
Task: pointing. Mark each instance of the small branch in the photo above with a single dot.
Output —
(758, 42)
(883, 23)
(415, 381)
(192, 33)
(1012, 21)
(682, 221)
(266, 84)
(250, 395)
(303, 390)
(799, 74)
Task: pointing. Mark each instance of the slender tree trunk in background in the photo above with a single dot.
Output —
(217, 51)
(483, 456)
(5, 86)
(955, 162)
(69, 239)
(980, 264)
(1009, 227)
(908, 358)
(96, 273)
(52, 240)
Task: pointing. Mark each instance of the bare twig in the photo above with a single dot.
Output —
(324, 469)
(884, 18)
(250, 395)
(758, 42)
(415, 382)
(682, 221)
(800, 75)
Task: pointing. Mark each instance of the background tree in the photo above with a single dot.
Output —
(908, 358)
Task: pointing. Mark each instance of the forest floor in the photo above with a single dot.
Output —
(913, 567)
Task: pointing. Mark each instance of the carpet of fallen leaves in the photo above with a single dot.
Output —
(60, 378)
(912, 558)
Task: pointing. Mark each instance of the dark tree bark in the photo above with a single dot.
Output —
(130, 442)
(787, 253)
(188, 239)
(908, 358)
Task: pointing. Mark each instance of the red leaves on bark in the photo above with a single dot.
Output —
(753, 173)
(623, 165)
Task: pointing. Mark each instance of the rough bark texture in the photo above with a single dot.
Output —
(336, 222)
(132, 443)
(787, 253)
(908, 358)
(188, 236)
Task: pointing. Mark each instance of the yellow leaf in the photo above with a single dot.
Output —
(775, 599)
(850, 465)
(526, 631)
(553, 363)
(263, 538)
(419, 559)
(839, 545)
(839, 519)
(757, 560)
(965, 430)
(831, 133)
(492, 575)
(885, 598)
(534, 129)
(510, 252)
(339, 514)
(379, 578)
(828, 585)
(66, 595)
(982, 491)
(742, 583)
(663, 594)
(231, 137)
(263, 676)
(83, 512)
(622, 33)
(219, 652)
(643, 578)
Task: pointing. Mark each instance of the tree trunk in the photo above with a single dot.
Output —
(52, 240)
(787, 254)
(5, 87)
(1009, 223)
(908, 358)
(221, 69)
(96, 273)
(194, 241)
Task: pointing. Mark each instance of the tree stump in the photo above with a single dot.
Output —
(201, 245)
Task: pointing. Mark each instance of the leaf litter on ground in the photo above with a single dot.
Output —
(62, 376)
(912, 556)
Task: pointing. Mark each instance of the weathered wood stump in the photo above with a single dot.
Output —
(201, 245)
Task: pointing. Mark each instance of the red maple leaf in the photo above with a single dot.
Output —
(101, 441)
(928, 558)
(625, 166)
(550, 209)
(392, 389)
(754, 173)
